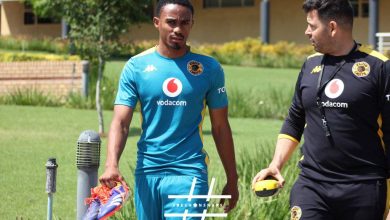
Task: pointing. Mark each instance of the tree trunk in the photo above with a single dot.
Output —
(98, 104)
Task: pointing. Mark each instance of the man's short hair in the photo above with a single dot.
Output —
(340, 11)
(162, 3)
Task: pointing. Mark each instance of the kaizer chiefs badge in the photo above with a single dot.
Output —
(296, 213)
(361, 69)
(195, 67)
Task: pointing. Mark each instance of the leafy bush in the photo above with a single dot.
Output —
(29, 97)
(246, 52)
(129, 49)
(252, 52)
(108, 94)
(13, 57)
(56, 45)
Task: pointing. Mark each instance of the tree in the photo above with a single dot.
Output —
(95, 26)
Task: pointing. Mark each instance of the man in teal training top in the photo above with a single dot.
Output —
(173, 86)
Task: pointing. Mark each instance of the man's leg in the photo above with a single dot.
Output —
(147, 198)
(183, 185)
(307, 201)
(360, 200)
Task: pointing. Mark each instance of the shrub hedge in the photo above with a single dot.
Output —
(17, 56)
(246, 52)
(252, 52)
(50, 45)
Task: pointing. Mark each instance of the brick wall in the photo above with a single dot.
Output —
(55, 78)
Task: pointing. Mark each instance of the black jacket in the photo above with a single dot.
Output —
(356, 105)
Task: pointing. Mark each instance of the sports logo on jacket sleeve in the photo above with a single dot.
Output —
(361, 69)
(195, 67)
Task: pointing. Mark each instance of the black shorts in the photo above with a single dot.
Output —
(317, 200)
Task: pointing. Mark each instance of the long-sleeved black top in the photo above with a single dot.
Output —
(356, 105)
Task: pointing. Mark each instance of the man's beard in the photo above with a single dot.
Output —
(175, 46)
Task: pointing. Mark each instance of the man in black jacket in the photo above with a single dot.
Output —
(342, 107)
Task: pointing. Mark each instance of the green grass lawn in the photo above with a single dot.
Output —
(236, 76)
(30, 135)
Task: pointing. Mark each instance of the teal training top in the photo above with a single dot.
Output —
(173, 94)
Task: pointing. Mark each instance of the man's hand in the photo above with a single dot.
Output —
(270, 171)
(232, 190)
(111, 176)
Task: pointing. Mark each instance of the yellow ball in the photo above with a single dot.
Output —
(267, 187)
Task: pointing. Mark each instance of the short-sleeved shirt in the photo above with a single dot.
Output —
(356, 103)
(173, 95)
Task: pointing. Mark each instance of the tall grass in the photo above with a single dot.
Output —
(30, 97)
(272, 102)
(77, 101)
(249, 206)
(35, 97)
(267, 103)
(30, 135)
(50, 45)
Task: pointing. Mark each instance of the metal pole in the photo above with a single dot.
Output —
(264, 27)
(51, 173)
(87, 161)
(84, 88)
(64, 29)
(49, 206)
(373, 22)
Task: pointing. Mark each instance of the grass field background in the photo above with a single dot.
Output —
(243, 78)
(30, 135)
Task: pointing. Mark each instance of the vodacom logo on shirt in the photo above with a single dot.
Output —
(172, 87)
(334, 88)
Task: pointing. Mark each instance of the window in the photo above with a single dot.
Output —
(227, 3)
(360, 8)
(43, 20)
(30, 18)
(365, 9)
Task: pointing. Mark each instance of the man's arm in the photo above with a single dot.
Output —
(284, 148)
(222, 135)
(117, 137)
(385, 114)
(289, 137)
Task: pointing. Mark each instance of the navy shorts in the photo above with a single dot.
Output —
(318, 200)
